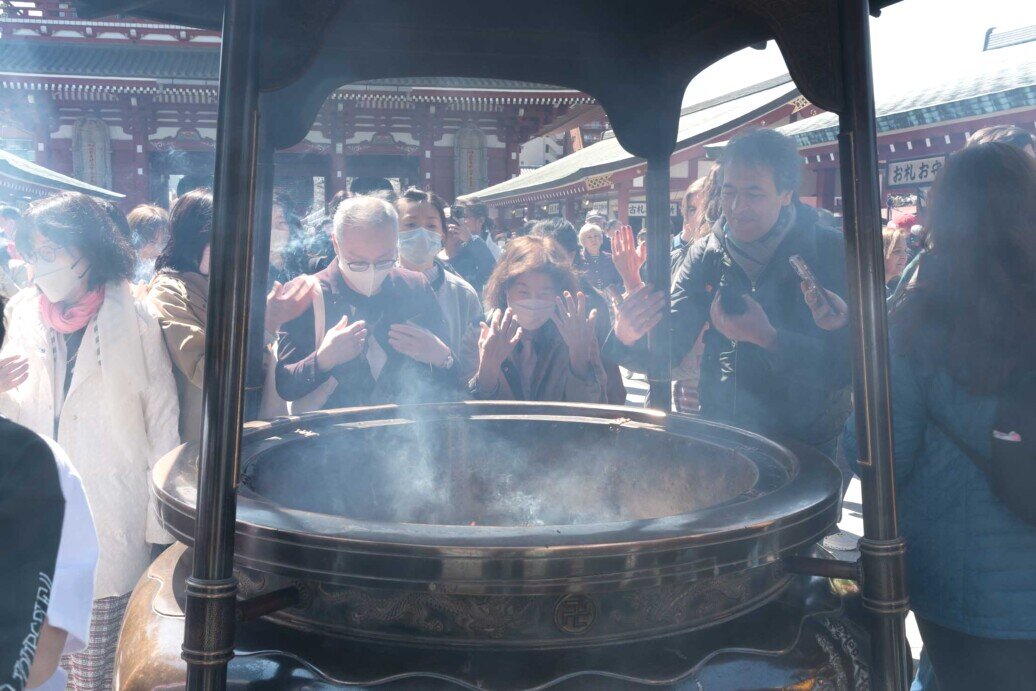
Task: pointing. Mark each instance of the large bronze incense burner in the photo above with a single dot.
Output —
(279, 62)
(511, 528)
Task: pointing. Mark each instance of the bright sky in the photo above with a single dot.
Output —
(911, 38)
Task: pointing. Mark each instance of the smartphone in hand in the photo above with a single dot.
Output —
(810, 279)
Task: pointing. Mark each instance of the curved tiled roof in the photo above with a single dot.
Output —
(464, 83)
(72, 59)
(697, 123)
(186, 62)
(1003, 81)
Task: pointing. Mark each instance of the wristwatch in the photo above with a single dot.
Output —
(448, 362)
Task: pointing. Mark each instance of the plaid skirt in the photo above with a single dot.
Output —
(92, 668)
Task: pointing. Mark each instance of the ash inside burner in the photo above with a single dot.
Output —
(500, 473)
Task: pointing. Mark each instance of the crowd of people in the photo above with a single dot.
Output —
(395, 297)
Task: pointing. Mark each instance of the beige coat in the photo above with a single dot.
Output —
(118, 418)
(179, 300)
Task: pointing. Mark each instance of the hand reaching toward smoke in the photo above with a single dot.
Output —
(286, 302)
(577, 330)
(342, 343)
(628, 258)
(638, 314)
(495, 344)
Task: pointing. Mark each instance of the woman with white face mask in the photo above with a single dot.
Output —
(538, 343)
(422, 227)
(97, 379)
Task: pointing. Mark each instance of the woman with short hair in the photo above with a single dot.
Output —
(97, 380)
(539, 343)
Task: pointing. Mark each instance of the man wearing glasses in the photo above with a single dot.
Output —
(374, 333)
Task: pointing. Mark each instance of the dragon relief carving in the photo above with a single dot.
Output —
(481, 617)
(851, 648)
(831, 675)
(681, 602)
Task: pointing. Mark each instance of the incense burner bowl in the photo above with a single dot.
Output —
(510, 531)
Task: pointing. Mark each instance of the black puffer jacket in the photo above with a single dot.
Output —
(801, 389)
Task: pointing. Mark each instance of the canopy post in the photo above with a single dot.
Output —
(659, 247)
(882, 549)
(211, 589)
(263, 212)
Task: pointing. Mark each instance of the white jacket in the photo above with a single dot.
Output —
(119, 417)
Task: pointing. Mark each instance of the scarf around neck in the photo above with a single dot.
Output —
(66, 320)
(755, 255)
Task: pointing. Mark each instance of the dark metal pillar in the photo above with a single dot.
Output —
(659, 247)
(211, 589)
(255, 372)
(882, 550)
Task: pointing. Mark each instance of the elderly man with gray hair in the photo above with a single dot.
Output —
(374, 332)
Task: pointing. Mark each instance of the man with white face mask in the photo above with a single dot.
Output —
(375, 332)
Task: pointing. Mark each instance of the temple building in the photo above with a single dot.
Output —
(920, 122)
(130, 105)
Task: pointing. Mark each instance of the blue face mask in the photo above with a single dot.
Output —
(418, 247)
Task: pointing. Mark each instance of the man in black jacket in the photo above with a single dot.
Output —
(767, 366)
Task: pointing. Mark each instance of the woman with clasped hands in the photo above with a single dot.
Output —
(539, 342)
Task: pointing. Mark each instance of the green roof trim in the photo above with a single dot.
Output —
(698, 123)
(18, 169)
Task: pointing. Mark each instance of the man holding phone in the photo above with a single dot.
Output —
(768, 366)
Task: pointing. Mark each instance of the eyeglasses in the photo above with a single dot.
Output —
(366, 266)
(46, 253)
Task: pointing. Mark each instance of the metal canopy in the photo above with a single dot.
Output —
(636, 64)
(281, 58)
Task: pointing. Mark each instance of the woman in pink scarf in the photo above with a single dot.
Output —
(85, 364)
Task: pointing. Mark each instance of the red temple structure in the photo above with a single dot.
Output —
(919, 124)
(130, 105)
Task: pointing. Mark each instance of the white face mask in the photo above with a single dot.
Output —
(532, 314)
(58, 283)
(419, 246)
(363, 282)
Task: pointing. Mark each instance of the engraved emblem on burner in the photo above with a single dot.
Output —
(575, 613)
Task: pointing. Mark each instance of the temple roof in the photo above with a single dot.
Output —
(998, 82)
(698, 123)
(18, 173)
(635, 64)
(55, 57)
(1004, 38)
